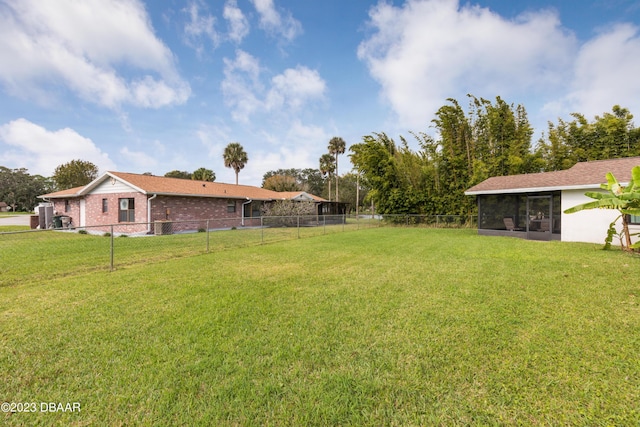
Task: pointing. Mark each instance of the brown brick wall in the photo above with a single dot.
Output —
(95, 216)
(178, 209)
(59, 208)
(195, 210)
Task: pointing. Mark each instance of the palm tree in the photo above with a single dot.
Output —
(336, 147)
(235, 157)
(327, 167)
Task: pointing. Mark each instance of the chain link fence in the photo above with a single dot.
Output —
(36, 255)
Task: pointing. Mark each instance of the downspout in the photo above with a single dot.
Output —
(242, 213)
(149, 212)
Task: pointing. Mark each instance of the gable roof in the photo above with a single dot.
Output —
(583, 175)
(300, 196)
(160, 185)
(70, 192)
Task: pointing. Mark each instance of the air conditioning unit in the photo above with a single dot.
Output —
(163, 227)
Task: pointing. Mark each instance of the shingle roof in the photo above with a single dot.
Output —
(150, 184)
(70, 192)
(581, 175)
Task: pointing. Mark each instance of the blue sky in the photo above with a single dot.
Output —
(161, 85)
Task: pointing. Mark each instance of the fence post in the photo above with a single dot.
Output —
(207, 236)
(324, 224)
(298, 226)
(344, 221)
(111, 266)
(261, 229)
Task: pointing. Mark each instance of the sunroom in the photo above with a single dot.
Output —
(531, 206)
(534, 216)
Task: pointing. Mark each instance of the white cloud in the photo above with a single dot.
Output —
(245, 93)
(41, 151)
(214, 138)
(606, 73)
(199, 26)
(240, 85)
(295, 147)
(238, 24)
(140, 159)
(294, 87)
(430, 50)
(273, 22)
(79, 46)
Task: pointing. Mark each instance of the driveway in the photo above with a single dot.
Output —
(15, 220)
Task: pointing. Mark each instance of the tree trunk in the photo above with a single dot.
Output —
(337, 198)
(625, 230)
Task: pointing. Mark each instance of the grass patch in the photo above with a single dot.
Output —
(35, 255)
(382, 327)
(13, 228)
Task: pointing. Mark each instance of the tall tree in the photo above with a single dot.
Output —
(309, 179)
(375, 158)
(203, 174)
(281, 183)
(337, 147)
(75, 173)
(609, 136)
(235, 158)
(327, 167)
(20, 190)
(312, 181)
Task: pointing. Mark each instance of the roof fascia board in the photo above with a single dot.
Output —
(63, 196)
(211, 196)
(534, 189)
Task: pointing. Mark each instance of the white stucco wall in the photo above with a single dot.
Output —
(588, 226)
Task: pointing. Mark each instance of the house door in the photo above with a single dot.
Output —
(83, 213)
(539, 217)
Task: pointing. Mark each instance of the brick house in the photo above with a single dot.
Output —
(136, 203)
(531, 206)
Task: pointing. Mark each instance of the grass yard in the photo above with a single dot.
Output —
(47, 254)
(387, 326)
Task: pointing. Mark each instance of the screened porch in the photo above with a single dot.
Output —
(534, 216)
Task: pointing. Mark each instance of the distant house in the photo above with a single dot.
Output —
(136, 202)
(4, 207)
(531, 206)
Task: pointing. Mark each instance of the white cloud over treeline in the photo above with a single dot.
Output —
(426, 51)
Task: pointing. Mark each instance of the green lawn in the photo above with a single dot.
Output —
(386, 326)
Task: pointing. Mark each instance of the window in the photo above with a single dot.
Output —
(231, 206)
(67, 206)
(105, 206)
(633, 219)
(126, 212)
